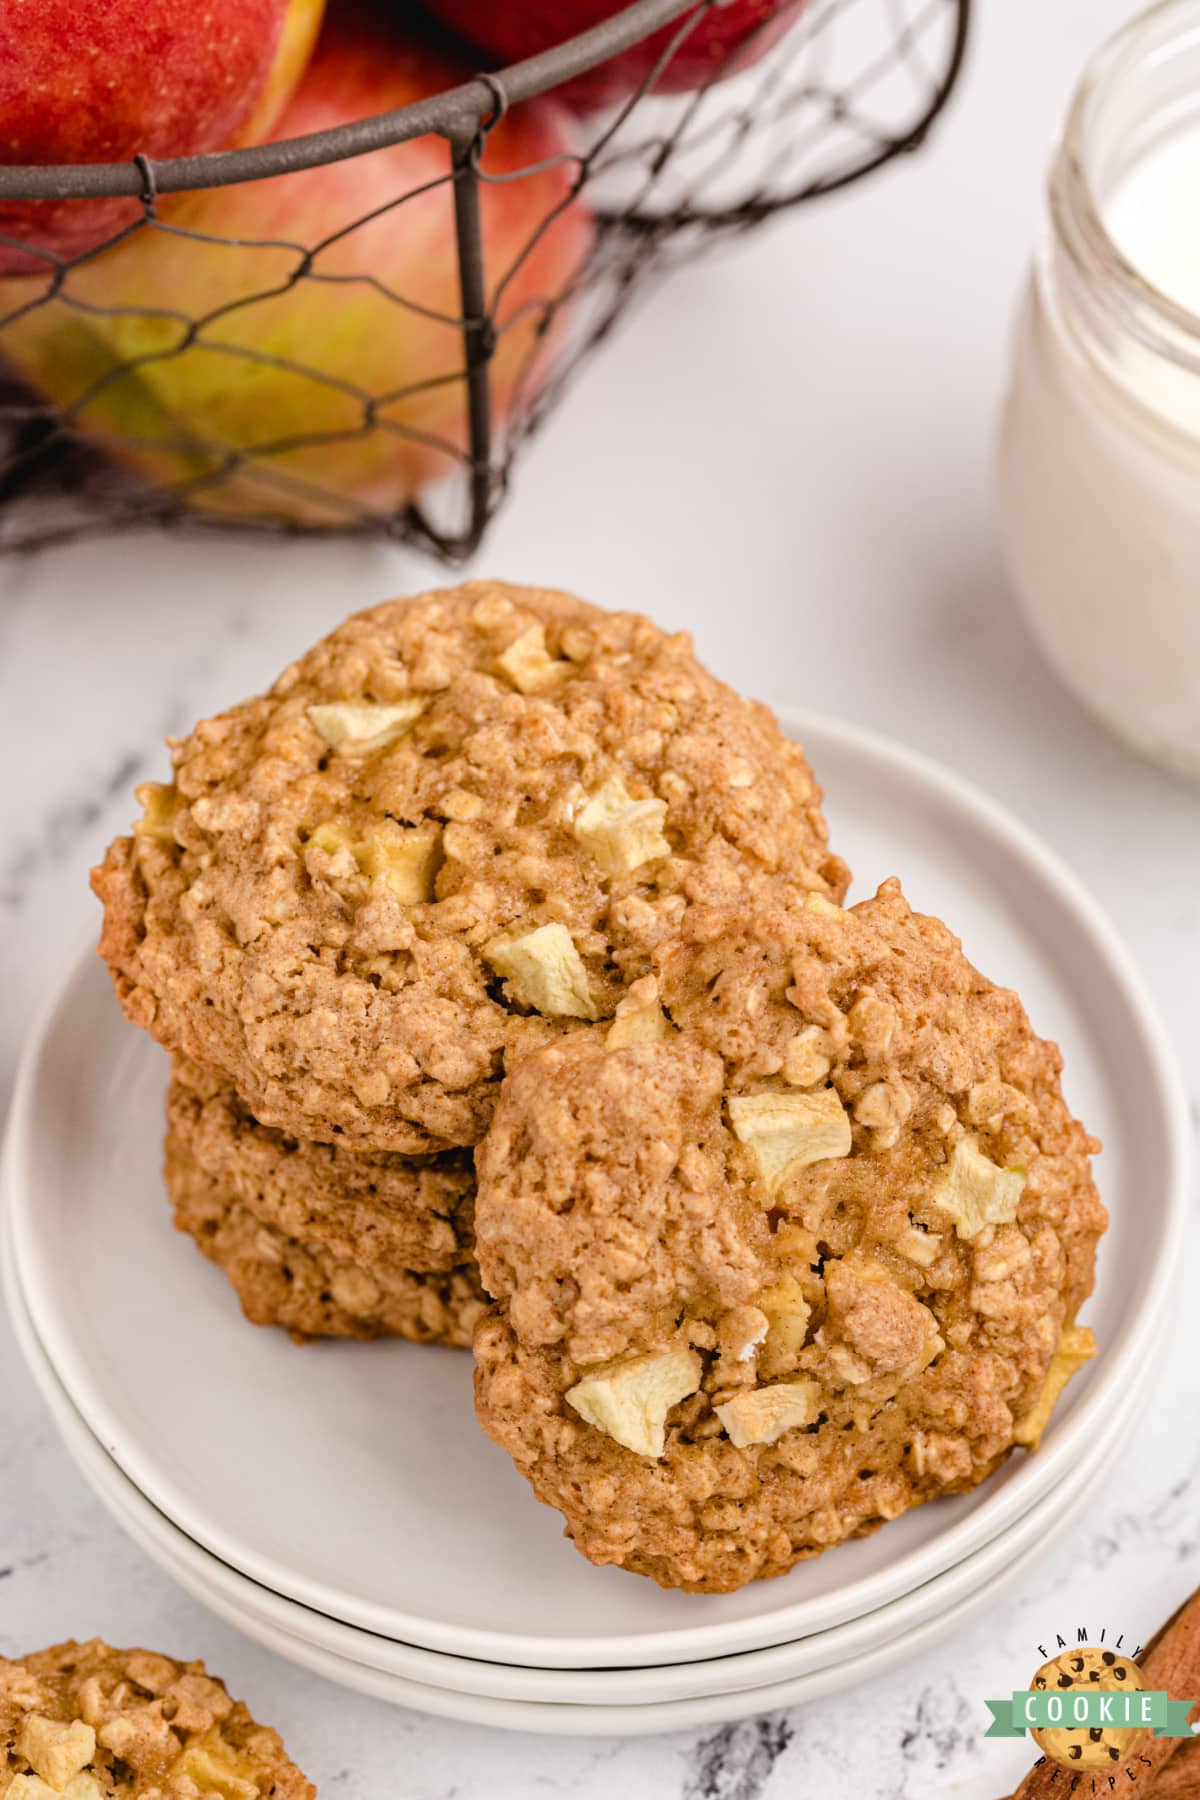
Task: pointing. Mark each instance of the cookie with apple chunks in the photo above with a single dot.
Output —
(307, 1290)
(461, 825)
(793, 1245)
(319, 1239)
(85, 1722)
(367, 1208)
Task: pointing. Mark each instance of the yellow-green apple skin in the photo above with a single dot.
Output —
(338, 380)
(87, 81)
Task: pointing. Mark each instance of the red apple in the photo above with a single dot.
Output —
(343, 379)
(723, 41)
(85, 81)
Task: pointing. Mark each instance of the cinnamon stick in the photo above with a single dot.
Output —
(1180, 1779)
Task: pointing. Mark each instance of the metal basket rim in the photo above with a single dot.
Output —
(462, 116)
(455, 114)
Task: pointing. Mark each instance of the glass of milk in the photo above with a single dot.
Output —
(1099, 456)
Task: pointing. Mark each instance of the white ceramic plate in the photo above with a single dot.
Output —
(625, 1720)
(525, 1712)
(248, 1606)
(352, 1478)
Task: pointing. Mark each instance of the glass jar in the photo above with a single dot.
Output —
(1099, 454)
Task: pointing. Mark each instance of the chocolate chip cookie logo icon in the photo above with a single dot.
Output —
(1088, 1709)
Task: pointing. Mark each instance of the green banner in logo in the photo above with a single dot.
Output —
(1137, 1710)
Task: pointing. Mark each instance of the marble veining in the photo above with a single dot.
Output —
(736, 1762)
(811, 495)
(59, 830)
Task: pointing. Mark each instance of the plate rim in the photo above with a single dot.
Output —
(511, 1712)
(665, 1646)
(623, 1719)
(170, 1547)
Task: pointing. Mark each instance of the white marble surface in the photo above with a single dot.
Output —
(789, 452)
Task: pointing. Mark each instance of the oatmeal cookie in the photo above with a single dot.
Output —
(310, 1293)
(792, 1245)
(383, 1209)
(308, 1283)
(459, 826)
(85, 1722)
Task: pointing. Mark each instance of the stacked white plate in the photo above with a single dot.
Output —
(338, 1502)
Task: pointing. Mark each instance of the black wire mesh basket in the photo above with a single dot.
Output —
(209, 365)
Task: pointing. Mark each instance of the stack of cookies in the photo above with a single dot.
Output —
(326, 1241)
(502, 958)
(436, 843)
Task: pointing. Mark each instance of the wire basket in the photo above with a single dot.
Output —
(182, 374)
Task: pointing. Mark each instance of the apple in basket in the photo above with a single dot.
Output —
(290, 347)
(717, 41)
(101, 80)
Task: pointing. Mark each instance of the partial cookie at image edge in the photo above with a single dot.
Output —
(89, 1722)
